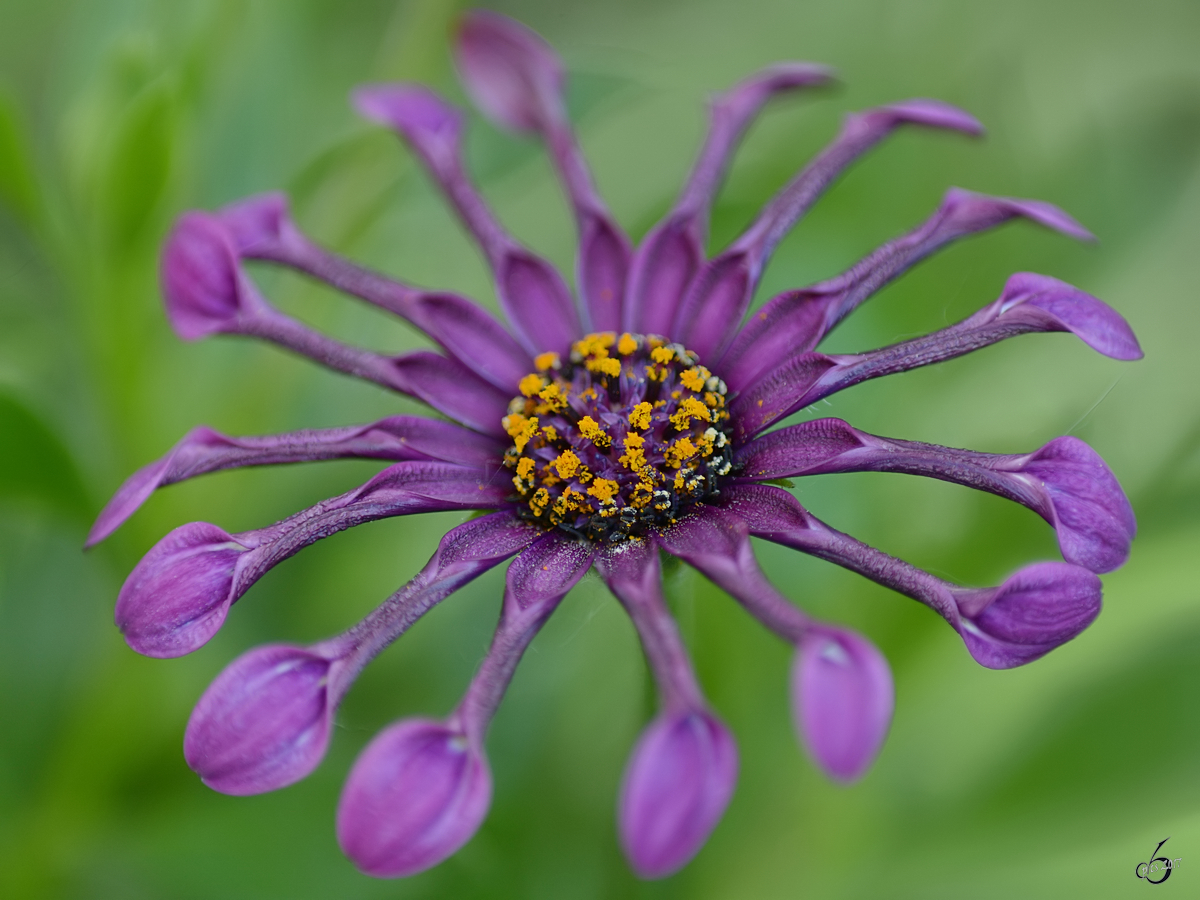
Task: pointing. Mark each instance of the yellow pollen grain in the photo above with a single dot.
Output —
(521, 429)
(531, 384)
(525, 467)
(550, 432)
(680, 451)
(662, 355)
(589, 428)
(567, 464)
(639, 418)
(626, 345)
(693, 379)
(634, 457)
(603, 489)
(689, 409)
(607, 365)
(544, 361)
(716, 401)
(553, 396)
(539, 500)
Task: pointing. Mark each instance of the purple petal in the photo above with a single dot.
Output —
(263, 723)
(201, 284)
(510, 72)
(1065, 482)
(532, 294)
(1035, 610)
(517, 79)
(260, 226)
(721, 292)
(796, 321)
(673, 250)
(206, 293)
(415, 795)
(1092, 515)
(675, 789)
(203, 450)
(1039, 608)
(177, 597)
(716, 542)
(464, 553)
(602, 268)
(1029, 303)
(452, 389)
(547, 570)
(842, 699)
(262, 229)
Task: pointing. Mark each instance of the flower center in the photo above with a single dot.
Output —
(620, 439)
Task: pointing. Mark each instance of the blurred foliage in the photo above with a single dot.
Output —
(1053, 780)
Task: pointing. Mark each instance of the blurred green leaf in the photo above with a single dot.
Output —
(34, 463)
(139, 167)
(18, 180)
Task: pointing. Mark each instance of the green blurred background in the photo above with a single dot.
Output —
(1052, 780)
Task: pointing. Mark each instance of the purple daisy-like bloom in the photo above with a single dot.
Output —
(604, 429)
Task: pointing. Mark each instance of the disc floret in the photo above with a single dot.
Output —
(619, 439)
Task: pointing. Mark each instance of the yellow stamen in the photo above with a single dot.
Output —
(544, 361)
(693, 379)
(626, 345)
(525, 467)
(531, 384)
(639, 417)
(606, 365)
(593, 432)
(634, 457)
(521, 429)
(554, 398)
(689, 409)
(567, 464)
(603, 489)
(679, 452)
(662, 355)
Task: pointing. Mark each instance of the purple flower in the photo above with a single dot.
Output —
(603, 429)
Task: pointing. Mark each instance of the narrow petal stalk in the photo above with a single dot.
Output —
(721, 292)
(203, 450)
(532, 293)
(842, 694)
(177, 597)
(842, 700)
(207, 293)
(673, 251)
(1037, 609)
(717, 544)
(265, 722)
(796, 321)
(682, 772)
(516, 78)
(421, 789)
(634, 575)
(262, 228)
(1065, 482)
(1029, 304)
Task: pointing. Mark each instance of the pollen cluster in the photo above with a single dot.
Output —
(619, 439)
